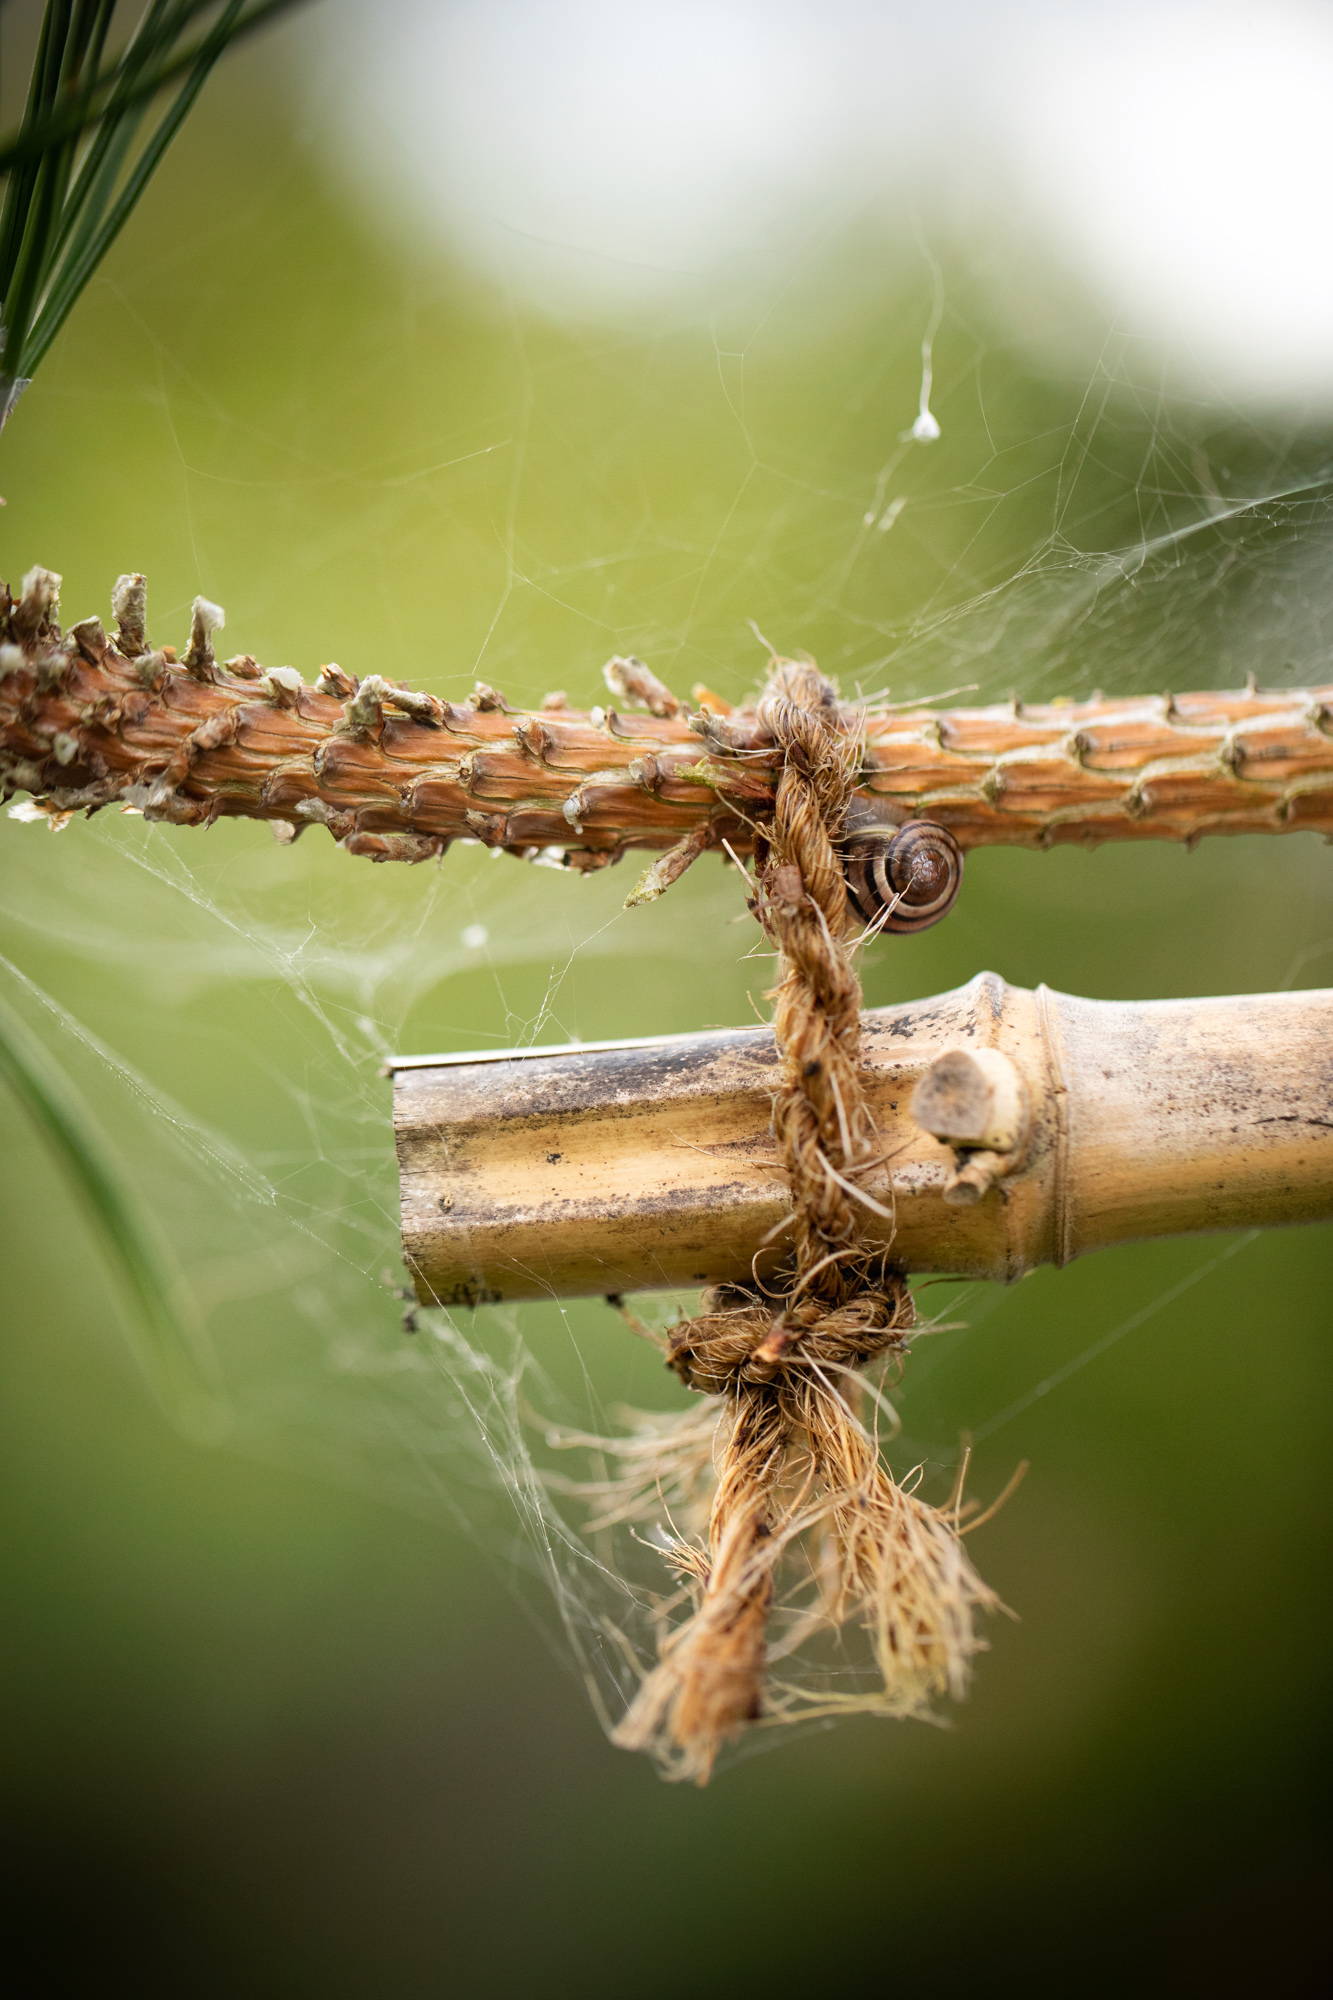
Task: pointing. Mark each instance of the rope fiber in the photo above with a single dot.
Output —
(805, 1517)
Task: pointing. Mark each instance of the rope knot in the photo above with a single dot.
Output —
(793, 1457)
(737, 1341)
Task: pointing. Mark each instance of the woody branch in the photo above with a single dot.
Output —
(90, 719)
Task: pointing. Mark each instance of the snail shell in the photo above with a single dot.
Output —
(902, 878)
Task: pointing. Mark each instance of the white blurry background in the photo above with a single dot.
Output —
(1169, 158)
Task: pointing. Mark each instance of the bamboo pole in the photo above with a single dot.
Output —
(1020, 1128)
(88, 721)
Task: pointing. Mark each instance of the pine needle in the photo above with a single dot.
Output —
(171, 1352)
(88, 144)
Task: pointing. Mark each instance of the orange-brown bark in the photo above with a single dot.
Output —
(87, 720)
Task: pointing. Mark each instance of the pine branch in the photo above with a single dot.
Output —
(88, 720)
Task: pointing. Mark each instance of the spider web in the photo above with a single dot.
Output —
(856, 445)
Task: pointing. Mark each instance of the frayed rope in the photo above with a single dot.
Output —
(802, 1503)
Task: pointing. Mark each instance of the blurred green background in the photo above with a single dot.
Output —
(292, 1707)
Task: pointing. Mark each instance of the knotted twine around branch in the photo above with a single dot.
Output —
(797, 1472)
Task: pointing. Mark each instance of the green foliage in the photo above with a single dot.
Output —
(166, 1344)
(88, 144)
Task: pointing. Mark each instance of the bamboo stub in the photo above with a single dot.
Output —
(1058, 1126)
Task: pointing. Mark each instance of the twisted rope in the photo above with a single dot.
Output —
(794, 1462)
